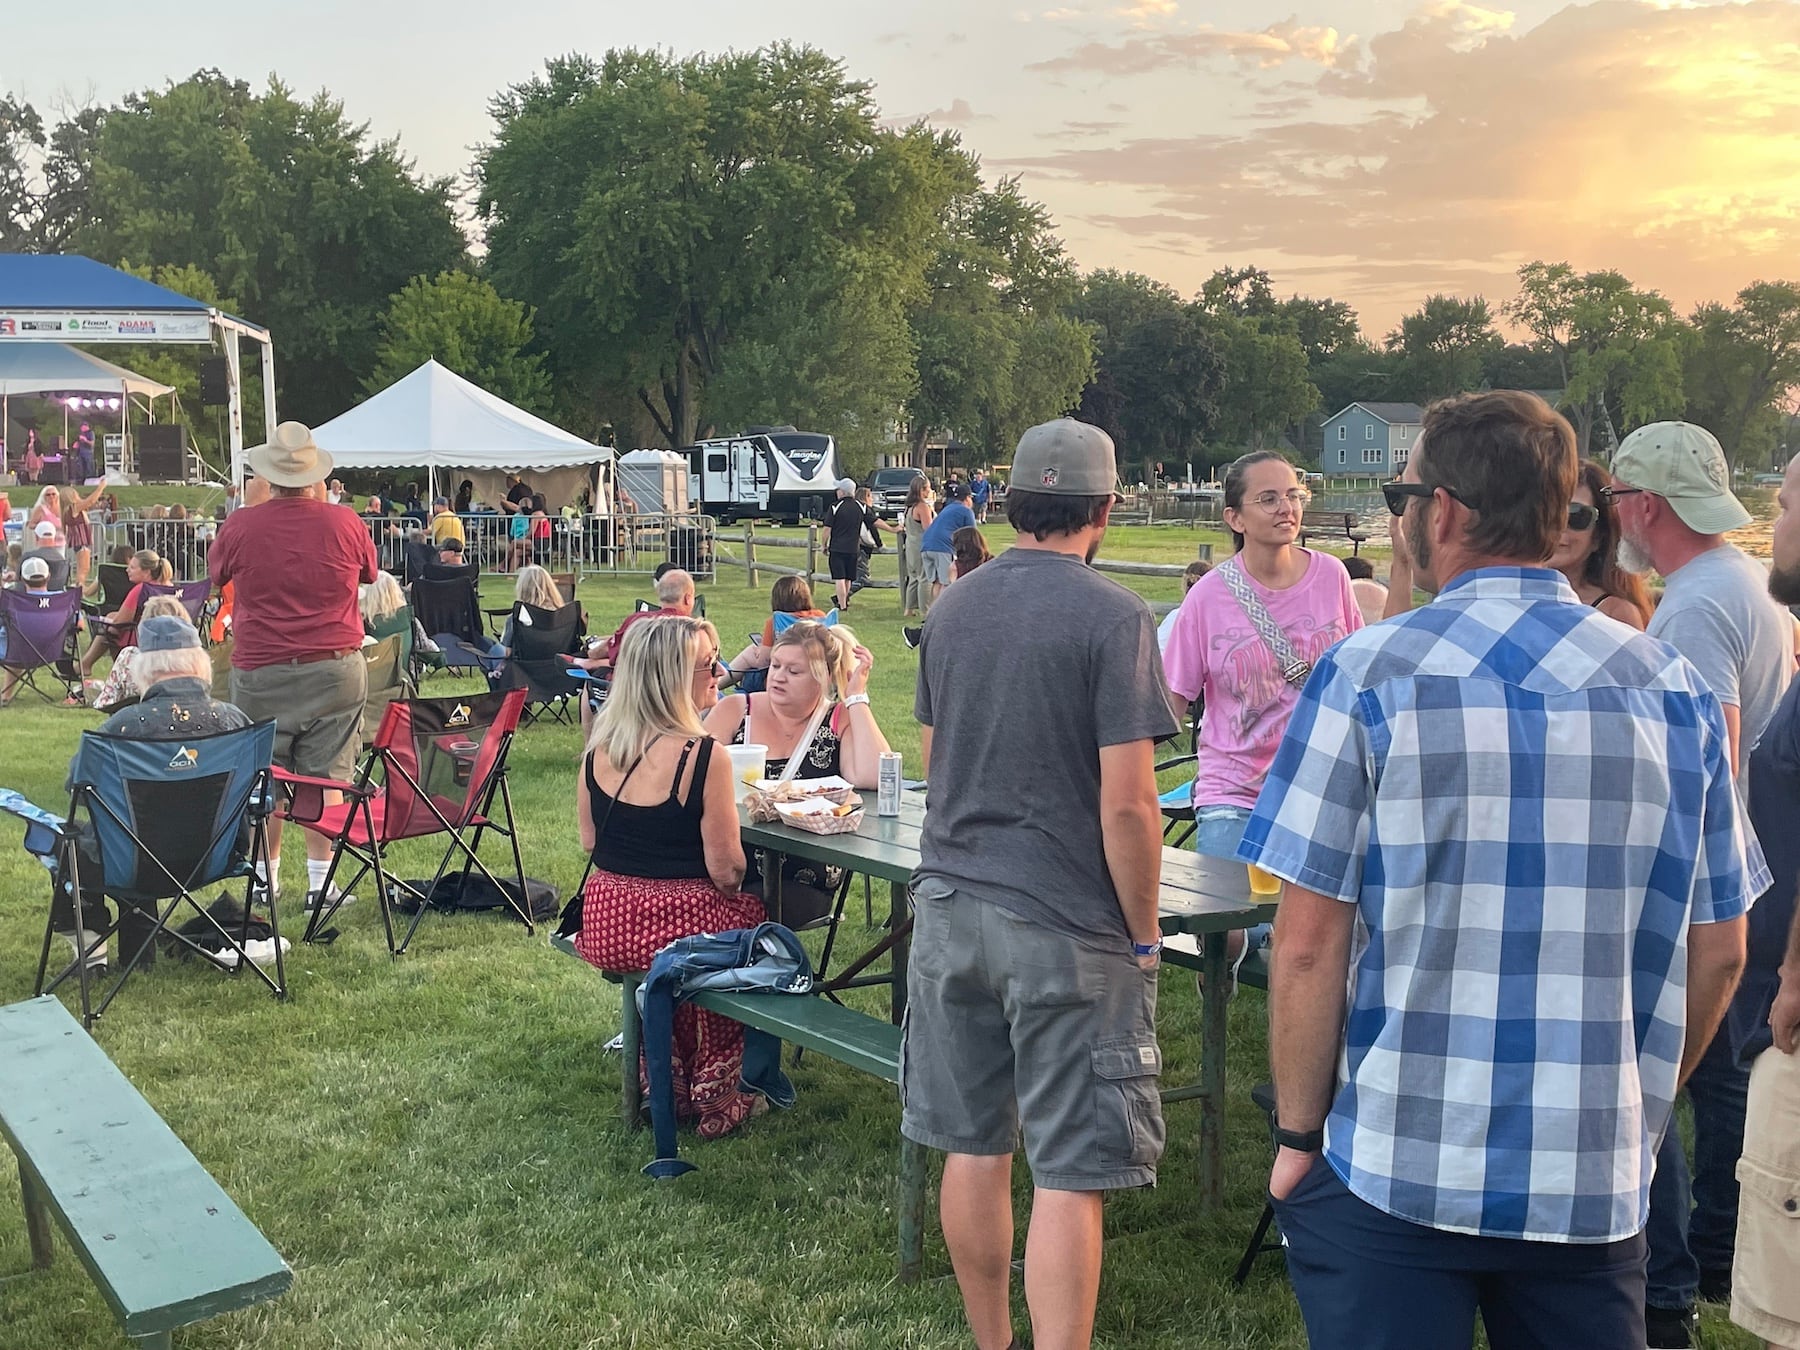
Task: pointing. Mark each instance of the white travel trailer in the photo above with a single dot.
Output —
(764, 472)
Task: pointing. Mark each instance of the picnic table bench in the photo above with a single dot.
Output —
(1333, 524)
(162, 1241)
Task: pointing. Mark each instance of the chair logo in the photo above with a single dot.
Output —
(185, 758)
(459, 717)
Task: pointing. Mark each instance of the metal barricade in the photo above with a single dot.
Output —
(183, 542)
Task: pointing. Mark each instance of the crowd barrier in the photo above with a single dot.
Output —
(579, 544)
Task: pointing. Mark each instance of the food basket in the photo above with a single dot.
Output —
(820, 816)
(833, 789)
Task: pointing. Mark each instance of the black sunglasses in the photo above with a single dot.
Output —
(1582, 516)
(1398, 494)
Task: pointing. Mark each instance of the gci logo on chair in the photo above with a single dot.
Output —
(459, 717)
(185, 758)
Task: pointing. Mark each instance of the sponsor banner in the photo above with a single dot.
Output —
(48, 326)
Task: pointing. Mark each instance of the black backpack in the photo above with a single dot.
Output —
(456, 894)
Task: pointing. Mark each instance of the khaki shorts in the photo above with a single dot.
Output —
(937, 567)
(1011, 1027)
(317, 707)
(1765, 1278)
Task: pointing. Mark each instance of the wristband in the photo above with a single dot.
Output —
(1302, 1141)
(851, 700)
(1147, 948)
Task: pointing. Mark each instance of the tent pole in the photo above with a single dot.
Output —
(234, 396)
(268, 383)
(5, 422)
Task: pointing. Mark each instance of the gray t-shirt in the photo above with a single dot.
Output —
(58, 562)
(1716, 612)
(1028, 666)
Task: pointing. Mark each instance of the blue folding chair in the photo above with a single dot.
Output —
(159, 820)
(755, 681)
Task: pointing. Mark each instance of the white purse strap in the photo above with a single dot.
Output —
(1294, 669)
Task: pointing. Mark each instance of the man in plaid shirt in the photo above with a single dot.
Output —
(1508, 827)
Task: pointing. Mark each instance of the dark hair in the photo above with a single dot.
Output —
(1602, 565)
(1235, 475)
(790, 595)
(1510, 458)
(1360, 569)
(1042, 514)
(662, 569)
(968, 550)
(1193, 572)
(121, 553)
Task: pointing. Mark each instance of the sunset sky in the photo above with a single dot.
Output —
(1369, 151)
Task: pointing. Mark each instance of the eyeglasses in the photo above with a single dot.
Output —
(1398, 494)
(1273, 501)
(1583, 516)
(1612, 494)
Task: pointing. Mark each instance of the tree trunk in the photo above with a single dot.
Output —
(921, 434)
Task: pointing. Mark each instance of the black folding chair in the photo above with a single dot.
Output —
(540, 640)
(1179, 820)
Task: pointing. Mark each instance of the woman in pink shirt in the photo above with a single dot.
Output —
(1244, 641)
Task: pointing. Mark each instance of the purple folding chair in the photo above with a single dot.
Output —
(40, 635)
(193, 596)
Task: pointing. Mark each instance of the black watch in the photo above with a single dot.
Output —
(1302, 1141)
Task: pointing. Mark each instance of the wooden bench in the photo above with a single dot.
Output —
(1333, 524)
(812, 1023)
(164, 1244)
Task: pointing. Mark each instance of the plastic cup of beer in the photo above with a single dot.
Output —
(1265, 887)
(748, 761)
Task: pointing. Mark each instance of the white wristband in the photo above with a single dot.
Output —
(851, 700)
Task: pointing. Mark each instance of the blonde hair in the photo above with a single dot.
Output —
(830, 653)
(652, 687)
(537, 587)
(158, 568)
(164, 607)
(381, 598)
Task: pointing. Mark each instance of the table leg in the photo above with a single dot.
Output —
(1213, 1005)
(900, 929)
(37, 1218)
(912, 1210)
(631, 1100)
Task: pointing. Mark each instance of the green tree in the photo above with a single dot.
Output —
(1266, 389)
(463, 323)
(1169, 374)
(1742, 365)
(21, 200)
(1443, 348)
(1243, 291)
(286, 204)
(1616, 348)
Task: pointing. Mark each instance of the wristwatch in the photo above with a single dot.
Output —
(1302, 1141)
(1147, 948)
(851, 700)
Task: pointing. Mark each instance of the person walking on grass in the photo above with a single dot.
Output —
(846, 529)
(937, 549)
(1517, 874)
(1032, 997)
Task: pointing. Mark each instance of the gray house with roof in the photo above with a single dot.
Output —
(1370, 438)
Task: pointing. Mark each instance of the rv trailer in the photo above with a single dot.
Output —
(763, 473)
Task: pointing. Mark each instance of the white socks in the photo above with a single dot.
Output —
(316, 868)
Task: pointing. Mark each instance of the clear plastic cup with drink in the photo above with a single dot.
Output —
(1265, 887)
(748, 762)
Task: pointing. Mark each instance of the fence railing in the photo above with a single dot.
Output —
(578, 544)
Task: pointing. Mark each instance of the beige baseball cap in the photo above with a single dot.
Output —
(1685, 465)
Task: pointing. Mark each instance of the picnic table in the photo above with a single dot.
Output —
(1203, 897)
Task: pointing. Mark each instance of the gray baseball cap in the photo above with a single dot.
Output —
(1065, 458)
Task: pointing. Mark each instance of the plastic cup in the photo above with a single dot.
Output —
(1265, 886)
(748, 761)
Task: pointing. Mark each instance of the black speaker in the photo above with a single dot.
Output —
(161, 452)
(215, 382)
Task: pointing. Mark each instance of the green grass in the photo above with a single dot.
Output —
(433, 1143)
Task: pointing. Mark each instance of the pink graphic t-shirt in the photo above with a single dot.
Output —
(1215, 650)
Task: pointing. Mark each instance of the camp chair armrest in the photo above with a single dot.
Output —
(290, 779)
(306, 796)
(43, 830)
(1177, 762)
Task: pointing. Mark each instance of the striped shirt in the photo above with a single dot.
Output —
(1528, 803)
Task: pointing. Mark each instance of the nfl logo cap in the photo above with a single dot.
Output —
(1066, 458)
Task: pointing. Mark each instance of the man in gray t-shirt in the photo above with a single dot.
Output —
(1032, 998)
(1675, 507)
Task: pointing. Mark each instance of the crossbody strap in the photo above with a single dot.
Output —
(1294, 669)
(612, 798)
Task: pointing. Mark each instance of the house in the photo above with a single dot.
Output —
(1370, 438)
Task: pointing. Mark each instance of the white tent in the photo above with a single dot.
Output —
(29, 369)
(435, 420)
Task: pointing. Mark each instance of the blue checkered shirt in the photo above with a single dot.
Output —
(1528, 803)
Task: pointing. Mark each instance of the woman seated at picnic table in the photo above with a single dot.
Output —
(790, 596)
(818, 682)
(657, 813)
(145, 567)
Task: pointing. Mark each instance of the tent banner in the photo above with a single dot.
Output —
(101, 326)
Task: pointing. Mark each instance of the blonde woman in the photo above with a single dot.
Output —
(122, 684)
(145, 567)
(533, 586)
(655, 810)
(385, 612)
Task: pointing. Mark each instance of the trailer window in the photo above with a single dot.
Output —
(715, 463)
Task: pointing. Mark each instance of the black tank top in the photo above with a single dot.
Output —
(652, 841)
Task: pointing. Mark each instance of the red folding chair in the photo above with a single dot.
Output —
(435, 767)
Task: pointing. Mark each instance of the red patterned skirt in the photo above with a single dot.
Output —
(625, 921)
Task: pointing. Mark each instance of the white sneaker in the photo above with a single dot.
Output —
(338, 897)
(262, 950)
(91, 942)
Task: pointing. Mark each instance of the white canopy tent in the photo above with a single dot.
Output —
(435, 420)
(30, 370)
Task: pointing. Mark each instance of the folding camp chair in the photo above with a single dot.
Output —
(436, 767)
(40, 635)
(388, 679)
(115, 585)
(1179, 821)
(163, 819)
(540, 640)
(448, 604)
(756, 680)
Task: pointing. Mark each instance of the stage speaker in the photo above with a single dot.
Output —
(215, 382)
(161, 452)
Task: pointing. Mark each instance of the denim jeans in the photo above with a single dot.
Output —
(1693, 1217)
(1218, 830)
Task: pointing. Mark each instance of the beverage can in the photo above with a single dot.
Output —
(887, 784)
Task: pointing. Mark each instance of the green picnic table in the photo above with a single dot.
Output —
(1203, 897)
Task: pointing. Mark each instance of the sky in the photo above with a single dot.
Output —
(1373, 152)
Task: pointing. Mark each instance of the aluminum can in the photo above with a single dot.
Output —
(887, 784)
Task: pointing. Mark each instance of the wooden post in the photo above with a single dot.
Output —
(631, 1033)
(812, 550)
(750, 553)
(37, 1218)
(1206, 553)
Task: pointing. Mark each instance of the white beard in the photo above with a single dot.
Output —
(1632, 558)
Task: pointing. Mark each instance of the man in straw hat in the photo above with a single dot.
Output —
(295, 564)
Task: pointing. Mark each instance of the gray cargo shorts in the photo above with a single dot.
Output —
(1013, 1028)
(317, 707)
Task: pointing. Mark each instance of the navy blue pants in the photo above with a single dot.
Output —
(1693, 1215)
(1369, 1281)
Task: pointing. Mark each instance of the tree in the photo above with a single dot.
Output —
(1443, 346)
(285, 204)
(1741, 366)
(1243, 291)
(1616, 348)
(1265, 389)
(1169, 375)
(43, 177)
(463, 323)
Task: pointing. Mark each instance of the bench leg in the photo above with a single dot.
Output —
(912, 1210)
(37, 1219)
(1213, 1016)
(158, 1340)
(631, 1101)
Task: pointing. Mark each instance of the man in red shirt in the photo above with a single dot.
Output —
(294, 564)
(674, 592)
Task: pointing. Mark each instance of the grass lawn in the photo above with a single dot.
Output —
(433, 1143)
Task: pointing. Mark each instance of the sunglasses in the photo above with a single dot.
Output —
(1583, 516)
(1398, 494)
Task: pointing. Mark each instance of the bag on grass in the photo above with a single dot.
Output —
(454, 894)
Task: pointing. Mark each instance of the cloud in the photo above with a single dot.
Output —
(1149, 9)
(1280, 42)
(958, 114)
(1663, 140)
(1080, 131)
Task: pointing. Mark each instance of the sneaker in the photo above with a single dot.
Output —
(1668, 1328)
(338, 897)
(94, 944)
(910, 636)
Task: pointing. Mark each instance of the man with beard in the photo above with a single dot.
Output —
(1675, 506)
(1763, 1024)
(1516, 878)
